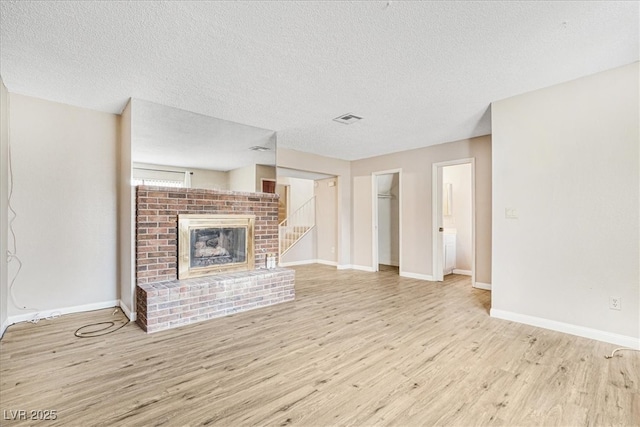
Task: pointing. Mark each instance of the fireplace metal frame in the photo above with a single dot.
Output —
(187, 222)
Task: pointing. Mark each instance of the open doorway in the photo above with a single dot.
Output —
(387, 223)
(454, 219)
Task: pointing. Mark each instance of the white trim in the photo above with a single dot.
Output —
(416, 276)
(480, 285)
(307, 262)
(344, 267)
(363, 268)
(567, 328)
(293, 263)
(4, 327)
(131, 315)
(436, 210)
(43, 314)
(463, 272)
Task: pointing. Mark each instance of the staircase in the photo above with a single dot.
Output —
(294, 227)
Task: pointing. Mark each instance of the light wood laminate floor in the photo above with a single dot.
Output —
(354, 348)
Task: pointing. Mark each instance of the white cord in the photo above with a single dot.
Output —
(12, 255)
(619, 349)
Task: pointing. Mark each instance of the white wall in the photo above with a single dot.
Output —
(65, 196)
(459, 176)
(300, 191)
(567, 159)
(4, 214)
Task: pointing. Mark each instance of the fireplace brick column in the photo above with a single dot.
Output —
(163, 301)
(157, 210)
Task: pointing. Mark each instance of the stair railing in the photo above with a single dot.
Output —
(296, 225)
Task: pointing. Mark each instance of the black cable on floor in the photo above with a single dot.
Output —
(109, 329)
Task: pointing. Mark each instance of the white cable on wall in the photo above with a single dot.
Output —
(12, 255)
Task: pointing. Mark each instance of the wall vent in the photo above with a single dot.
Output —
(347, 119)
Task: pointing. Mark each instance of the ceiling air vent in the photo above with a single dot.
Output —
(347, 119)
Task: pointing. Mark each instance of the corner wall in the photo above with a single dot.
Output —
(126, 214)
(65, 195)
(4, 213)
(566, 158)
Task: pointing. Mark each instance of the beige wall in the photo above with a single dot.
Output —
(567, 159)
(4, 214)
(264, 172)
(326, 220)
(416, 177)
(243, 179)
(293, 159)
(65, 196)
(126, 218)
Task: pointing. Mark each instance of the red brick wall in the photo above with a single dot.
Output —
(157, 210)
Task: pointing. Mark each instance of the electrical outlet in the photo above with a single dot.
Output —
(615, 303)
(333, 249)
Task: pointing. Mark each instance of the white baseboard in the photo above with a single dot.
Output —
(131, 315)
(567, 328)
(292, 263)
(416, 276)
(43, 314)
(463, 272)
(307, 262)
(343, 266)
(362, 268)
(480, 285)
(4, 327)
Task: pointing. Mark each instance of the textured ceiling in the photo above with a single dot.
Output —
(420, 73)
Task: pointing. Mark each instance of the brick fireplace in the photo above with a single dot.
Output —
(162, 300)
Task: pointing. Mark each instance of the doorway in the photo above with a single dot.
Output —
(453, 201)
(386, 221)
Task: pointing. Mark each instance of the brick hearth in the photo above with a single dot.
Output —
(174, 303)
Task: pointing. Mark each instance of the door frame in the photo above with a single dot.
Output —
(436, 217)
(374, 217)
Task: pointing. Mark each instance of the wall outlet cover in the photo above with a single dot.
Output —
(615, 303)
